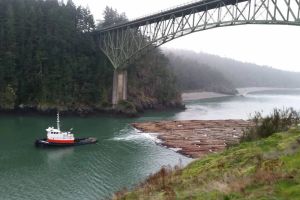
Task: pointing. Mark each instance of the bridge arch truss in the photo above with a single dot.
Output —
(125, 42)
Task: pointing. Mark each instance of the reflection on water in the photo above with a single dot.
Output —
(57, 155)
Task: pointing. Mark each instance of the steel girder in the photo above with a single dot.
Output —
(128, 41)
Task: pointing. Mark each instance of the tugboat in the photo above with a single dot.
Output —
(57, 138)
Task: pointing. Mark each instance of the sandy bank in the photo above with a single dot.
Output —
(198, 95)
(201, 95)
(245, 91)
(196, 138)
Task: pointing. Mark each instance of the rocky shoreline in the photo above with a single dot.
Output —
(126, 109)
(196, 138)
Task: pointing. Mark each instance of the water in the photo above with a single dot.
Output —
(122, 158)
(241, 107)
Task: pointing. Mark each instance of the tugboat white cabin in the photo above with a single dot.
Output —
(57, 136)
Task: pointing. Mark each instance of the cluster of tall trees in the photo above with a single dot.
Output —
(46, 56)
(111, 17)
(153, 83)
(49, 57)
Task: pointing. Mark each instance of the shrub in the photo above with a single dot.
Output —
(7, 98)
(126, 107)
(279, 120)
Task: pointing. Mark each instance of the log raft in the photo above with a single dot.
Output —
(196, 138)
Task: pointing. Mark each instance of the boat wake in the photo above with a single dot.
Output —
(136, 136)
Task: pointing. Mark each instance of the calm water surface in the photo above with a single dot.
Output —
(122, 157)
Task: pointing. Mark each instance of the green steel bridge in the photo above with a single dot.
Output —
(123, 43)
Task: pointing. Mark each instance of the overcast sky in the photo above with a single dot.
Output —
(275, 46)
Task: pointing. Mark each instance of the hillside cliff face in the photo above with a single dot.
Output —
(152, 84)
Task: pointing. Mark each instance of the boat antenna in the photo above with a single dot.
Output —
(58, 127)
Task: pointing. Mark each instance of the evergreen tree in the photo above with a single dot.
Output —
(112, 17)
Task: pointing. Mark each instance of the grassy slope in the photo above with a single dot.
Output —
(265, 169)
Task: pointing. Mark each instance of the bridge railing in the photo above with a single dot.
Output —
(155, 13)
(167, 9)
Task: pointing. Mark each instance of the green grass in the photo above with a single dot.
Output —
(264, 169)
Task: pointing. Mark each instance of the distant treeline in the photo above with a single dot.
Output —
(50, 60)
(214, 73)
(192, 74)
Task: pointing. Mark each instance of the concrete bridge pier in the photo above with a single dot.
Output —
(119, 86)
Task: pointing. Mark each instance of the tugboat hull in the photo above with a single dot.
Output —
(78, 142)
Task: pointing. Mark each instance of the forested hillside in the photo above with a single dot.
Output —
(239, 74)
(252, 75)
(50, 60)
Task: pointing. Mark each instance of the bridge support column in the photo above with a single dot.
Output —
(119, 86)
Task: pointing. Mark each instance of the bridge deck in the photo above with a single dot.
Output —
(177, 12)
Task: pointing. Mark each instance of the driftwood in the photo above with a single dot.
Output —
(196, 138)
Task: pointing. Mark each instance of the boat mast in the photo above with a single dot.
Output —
(58, 127)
